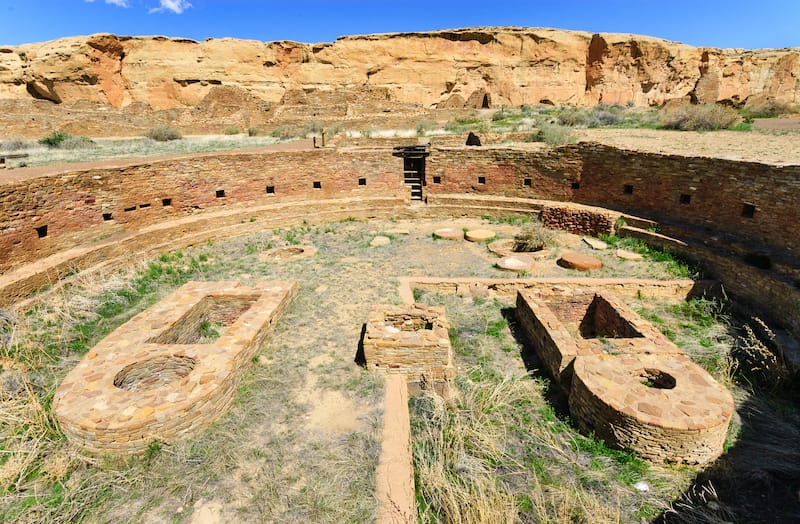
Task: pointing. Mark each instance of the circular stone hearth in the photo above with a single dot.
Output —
(479, 235)
(579, 261)
(153, 372)
(505, 248)
(287, 253)
(449, 233)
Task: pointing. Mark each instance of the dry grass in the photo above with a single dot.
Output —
(505, 447)
(503, 452)
(103, 149)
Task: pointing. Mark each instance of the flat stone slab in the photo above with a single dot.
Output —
(171, 370)
(579, 261)
(380, 241)
(480, 235)
(449, 233)
(624, 254)
(516, 263)
(287, 253)
(595, 243)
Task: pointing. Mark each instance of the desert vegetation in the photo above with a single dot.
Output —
(503, 450)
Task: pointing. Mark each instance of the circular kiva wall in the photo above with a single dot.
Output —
(55, 220)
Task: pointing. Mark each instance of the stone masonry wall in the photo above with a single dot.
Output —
(709, 193)
(518, 172)
(751, 202)
(87, 206)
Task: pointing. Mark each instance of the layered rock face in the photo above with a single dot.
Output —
(190, 83)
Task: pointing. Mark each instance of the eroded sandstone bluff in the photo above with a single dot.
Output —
(113, 84)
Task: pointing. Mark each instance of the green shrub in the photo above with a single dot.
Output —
(14, 144)
(163, 134)
(55, 138)
(231, 131)
(768, 109)
(553, 135)
(705, 117)
(423, 126)
(534, 237)
(283, 132)
(466, 123)
(252, 131)
(77, 142)
(313, 128)
(573, 117)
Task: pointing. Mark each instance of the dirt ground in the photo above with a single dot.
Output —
(754, 146)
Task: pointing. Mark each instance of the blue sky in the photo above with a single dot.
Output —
(713, 23)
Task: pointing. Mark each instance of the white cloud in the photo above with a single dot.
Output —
(176, 6)
(118, 3)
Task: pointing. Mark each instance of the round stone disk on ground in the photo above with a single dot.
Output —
(579, 261)
(287, 253)
(503, 247)
(480, 235)
(595, 243)
(449, 233)
(624, 254)
(516, 263)
(380, 240)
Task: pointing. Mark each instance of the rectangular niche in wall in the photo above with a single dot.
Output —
(575, 185)
(166, 202)
(437, 180)
(270, 190)
(220, 193)
(527, 182)
(748, 210)
(362, 181)
(41, 231)
(317, 184)
(685, 199)
(627, 189)
(481, 179)
(108, 216)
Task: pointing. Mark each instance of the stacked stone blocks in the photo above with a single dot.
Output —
(410, 340)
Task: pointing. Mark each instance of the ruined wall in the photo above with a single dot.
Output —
(702, 200)
(534, 172)
(86, 206)
(756, 202)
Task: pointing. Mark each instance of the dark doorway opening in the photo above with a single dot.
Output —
(413, 168)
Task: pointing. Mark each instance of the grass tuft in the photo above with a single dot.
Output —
(163, 134)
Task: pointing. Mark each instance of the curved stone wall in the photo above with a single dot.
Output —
(664, 407)
(56, 220)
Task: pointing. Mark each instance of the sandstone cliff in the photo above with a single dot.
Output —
(132, 81)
